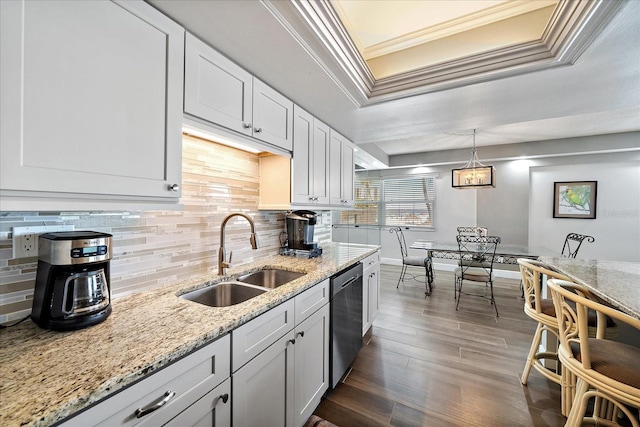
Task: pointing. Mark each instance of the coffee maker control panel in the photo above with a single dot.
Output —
(88, 251)
(74, 247)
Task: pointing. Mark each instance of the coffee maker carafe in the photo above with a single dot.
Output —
(72, 282)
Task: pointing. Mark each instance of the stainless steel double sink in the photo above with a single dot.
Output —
(243, 288)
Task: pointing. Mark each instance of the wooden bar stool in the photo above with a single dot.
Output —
(606, 371)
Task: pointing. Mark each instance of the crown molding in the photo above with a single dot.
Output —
(455, 26)
(317, 27)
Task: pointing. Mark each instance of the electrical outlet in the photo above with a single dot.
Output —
(25, 239)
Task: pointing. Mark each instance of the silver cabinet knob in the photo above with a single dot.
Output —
(257, 130)
(247, 125)
(174, 187)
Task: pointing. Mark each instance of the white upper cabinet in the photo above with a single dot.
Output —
(216, 89)
(272, 116)
(91, 103)
(219, 91)
(309, 183)
(341, 171)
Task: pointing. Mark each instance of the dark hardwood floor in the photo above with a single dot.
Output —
(425, 364)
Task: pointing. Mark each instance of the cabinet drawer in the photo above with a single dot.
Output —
(214, 409)
(196, 374)
(256, 335)
(371, 260)
(311, 300)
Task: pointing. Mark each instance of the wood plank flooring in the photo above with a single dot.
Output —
(426, 364)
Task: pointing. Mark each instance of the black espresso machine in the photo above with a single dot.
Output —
(300, 227)
(72, 283)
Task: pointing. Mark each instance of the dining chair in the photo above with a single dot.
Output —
(572, 244)
(606, 370)
(472, 231)
(415, 261)
(476, 256)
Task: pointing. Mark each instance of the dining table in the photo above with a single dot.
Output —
(505, 253)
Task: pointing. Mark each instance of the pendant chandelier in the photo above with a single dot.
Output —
(474, 174)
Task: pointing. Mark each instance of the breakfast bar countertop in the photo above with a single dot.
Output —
(616, 282)
(46, 376)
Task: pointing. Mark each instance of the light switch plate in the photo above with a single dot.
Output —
(25, 239)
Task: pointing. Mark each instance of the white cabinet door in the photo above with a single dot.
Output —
(272, 116)
(341, 170)
(302, 165)
(309, 178)
(212, 410)
(370, 290)
(311, 363)
(216, 89)
(320, 159)
(348, 171)
(335, 168)
(91, 99)
(263, 388)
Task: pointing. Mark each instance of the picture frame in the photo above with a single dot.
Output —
(575, 199)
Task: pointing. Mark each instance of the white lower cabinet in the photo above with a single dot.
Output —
(283, 384)
(263, 388)
(311, 354)
(190, 391)
(370, 290)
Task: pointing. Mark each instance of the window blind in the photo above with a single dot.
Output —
(405, 201)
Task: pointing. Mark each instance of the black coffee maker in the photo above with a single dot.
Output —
(300, 226)
(72, 282)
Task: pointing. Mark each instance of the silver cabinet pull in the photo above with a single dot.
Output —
(293, 341)
(168, 395)
(224, 397)
(301, 333)
(174, 187)
(257, 130)
(247, 125)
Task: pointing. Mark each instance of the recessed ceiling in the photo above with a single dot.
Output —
(458, 47)
(397, 36)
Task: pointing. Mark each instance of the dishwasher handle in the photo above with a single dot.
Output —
(348, 282)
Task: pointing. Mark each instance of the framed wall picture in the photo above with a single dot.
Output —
(575, 199)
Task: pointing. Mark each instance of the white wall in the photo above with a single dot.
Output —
(616, 227)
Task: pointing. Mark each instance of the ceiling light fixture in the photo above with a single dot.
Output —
(474, 174)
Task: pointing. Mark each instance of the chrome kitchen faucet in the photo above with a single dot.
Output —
(222, 256)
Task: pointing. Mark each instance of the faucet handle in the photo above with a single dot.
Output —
(230, 256)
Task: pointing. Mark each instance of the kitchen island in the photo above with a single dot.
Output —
(615, 282)
(47, 376)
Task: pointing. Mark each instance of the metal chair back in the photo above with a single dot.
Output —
(473, 231)
(477, 252)
(572, 244)
(401, 240)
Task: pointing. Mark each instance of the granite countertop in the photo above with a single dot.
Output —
(45, 376)
(616, 282)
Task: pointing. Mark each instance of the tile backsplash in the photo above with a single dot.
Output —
(154, 248)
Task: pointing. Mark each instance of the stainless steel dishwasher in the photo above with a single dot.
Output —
(346, 320)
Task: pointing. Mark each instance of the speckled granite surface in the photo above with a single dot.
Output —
(616, 282)
(45, 376)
